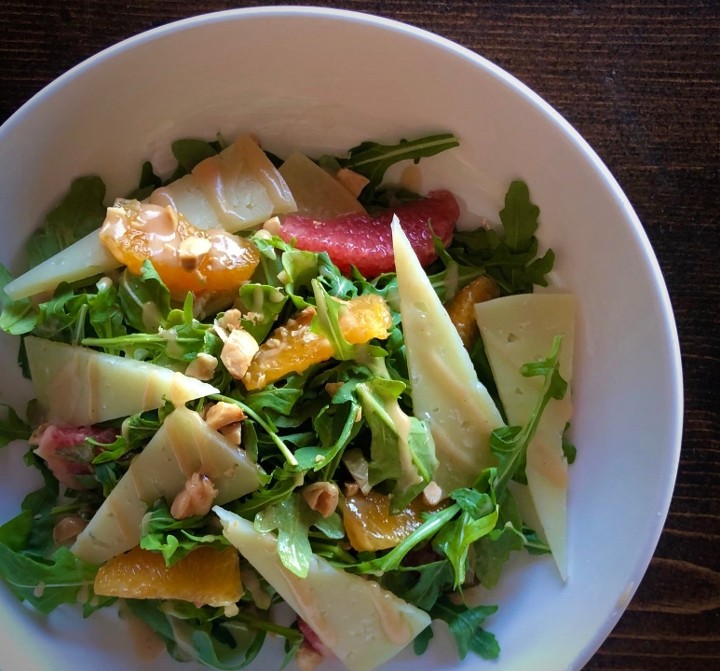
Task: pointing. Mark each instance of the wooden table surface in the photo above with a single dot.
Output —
(641, 82)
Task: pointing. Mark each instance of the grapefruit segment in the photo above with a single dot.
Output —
(364, 241)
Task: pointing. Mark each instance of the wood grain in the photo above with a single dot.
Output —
(641, 82)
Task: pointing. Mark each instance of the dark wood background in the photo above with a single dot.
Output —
(640, 80)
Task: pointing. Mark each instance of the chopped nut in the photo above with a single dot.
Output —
(230, 320)
(196, 498)
(221, 414)
(233, 432)
(432, 493)
(202, 367)
(67, 528)
(238, 351)
(192, 251)
(322, 497)
(272, 226)
(353, 181)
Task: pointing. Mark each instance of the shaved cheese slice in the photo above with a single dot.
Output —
(446, 391)
(183, 445)
(85, 258)
(185, 195)
(243, 186)
(362, 623)
(517, 330)
(317, 193)
(79, 386)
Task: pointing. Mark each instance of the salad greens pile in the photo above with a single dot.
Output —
(294, 429)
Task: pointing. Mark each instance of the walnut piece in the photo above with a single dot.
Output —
(196, 498)
(322, 497)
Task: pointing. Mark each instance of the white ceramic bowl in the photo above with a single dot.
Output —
(324, 79)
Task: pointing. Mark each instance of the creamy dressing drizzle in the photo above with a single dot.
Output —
(395, 627)
(305, 597)
(402, 424)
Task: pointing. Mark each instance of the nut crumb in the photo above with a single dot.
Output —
(221, 414)
(202, 367)
(238, 351)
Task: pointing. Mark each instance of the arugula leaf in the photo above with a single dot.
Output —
(106, 316)
(148, 182)
(478, 518)
(45, 584)
(159, 528)
(190, 151)
(372, 159)
(465, 627)
(202, 635)
(421, 585)
(510, 257)
(493, 550)
(402, 448)
(519, 217)
(509, 443)
(11, 426)
(145, 300)
(292, 520)
(79, 212)
(261, 305)
(327, 323)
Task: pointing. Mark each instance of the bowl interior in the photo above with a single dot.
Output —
(324, 80)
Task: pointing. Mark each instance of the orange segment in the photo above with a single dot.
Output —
(205, 576)
(461, 307)
(294, 347)
(369, 524)
(185, 257)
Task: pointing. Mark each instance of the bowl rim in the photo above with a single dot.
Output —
(674, 363)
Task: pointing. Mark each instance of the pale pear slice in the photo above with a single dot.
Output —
(243, 186)
(363, 624)
(446, 391)
(317, 193)
(517, 330)
(183, 445)
(83, 259)
(78, 386)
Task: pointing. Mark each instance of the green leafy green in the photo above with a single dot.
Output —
(80, 211)
(11, 426)
(509, 443)
(402, 448)
(144, 298)
(173, 538)
(302, 430)
(510, 257)
(372, 159)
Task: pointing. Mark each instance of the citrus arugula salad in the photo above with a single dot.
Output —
(268, 382)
